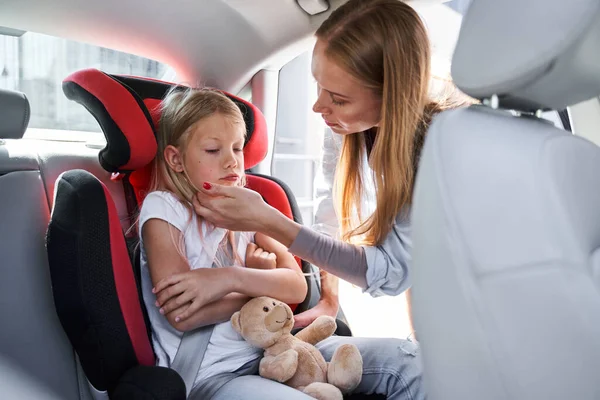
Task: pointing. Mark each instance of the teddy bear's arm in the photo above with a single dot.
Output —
(279, 368)
(320, 329)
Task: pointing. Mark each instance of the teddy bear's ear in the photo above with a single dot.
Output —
(235, 321)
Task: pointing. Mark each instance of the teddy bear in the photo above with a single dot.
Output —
(294, 360)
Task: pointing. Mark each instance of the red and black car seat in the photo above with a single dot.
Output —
(95, 275)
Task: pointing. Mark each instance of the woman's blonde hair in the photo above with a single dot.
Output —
(385, 45)
(180, 111)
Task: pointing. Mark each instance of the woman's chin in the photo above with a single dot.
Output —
(338, 130)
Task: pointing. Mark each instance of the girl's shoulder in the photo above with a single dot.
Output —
(166, 206)
(161, 194)
(162, 198)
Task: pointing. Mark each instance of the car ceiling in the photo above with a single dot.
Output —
(213, 42)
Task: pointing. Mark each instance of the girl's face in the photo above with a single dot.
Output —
(214, 152)
(347, 105)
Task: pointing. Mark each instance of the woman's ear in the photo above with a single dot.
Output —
(173, 158)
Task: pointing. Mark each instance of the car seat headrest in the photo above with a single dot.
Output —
(14, 114)
(127, 110)
(532, 55)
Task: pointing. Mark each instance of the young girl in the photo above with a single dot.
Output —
(201, 138)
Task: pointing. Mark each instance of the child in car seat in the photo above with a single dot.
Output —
(201, 138)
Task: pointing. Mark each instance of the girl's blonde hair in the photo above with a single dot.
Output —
(385, 45)
(180, 111)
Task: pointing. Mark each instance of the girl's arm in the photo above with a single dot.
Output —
(286, 283)
(200, 286)
(212, 313)
(164, 260)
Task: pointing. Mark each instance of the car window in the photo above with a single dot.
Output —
(36, 64)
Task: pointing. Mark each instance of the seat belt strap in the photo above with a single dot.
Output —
(192, 348)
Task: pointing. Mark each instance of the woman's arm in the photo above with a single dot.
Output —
(328, 304)
(242, 209)
(381, 269)
(165, 260)
(342, 259)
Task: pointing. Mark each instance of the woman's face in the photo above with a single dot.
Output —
(346, 104)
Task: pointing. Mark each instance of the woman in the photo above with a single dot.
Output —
(326, 220)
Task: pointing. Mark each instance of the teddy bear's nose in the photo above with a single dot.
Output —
(276, 318)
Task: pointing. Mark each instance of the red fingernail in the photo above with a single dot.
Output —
(207, 186)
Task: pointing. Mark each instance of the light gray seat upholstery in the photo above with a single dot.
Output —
(17, 384)
(506, 214)
(33, 344)
(14, 114)
(31, 337)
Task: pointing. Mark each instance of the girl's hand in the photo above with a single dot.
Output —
(197, 288)
(258, 258)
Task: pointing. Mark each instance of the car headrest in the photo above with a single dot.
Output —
(533, 55)
(14, 114)
(127, 110)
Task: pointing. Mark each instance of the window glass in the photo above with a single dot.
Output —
(298, 133)
(36, 64)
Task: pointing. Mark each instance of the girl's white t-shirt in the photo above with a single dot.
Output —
(227, 350)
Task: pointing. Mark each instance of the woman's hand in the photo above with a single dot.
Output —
(323, 307)
(328, 304)
(241, 209)
(258, 258)
(233, 208)
(197, 288)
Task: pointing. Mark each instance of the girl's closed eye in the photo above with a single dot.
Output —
(212, 151)
(338, 102)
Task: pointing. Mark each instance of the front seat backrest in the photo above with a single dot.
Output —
(14, 114)
(32, 343)
(506, 215)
